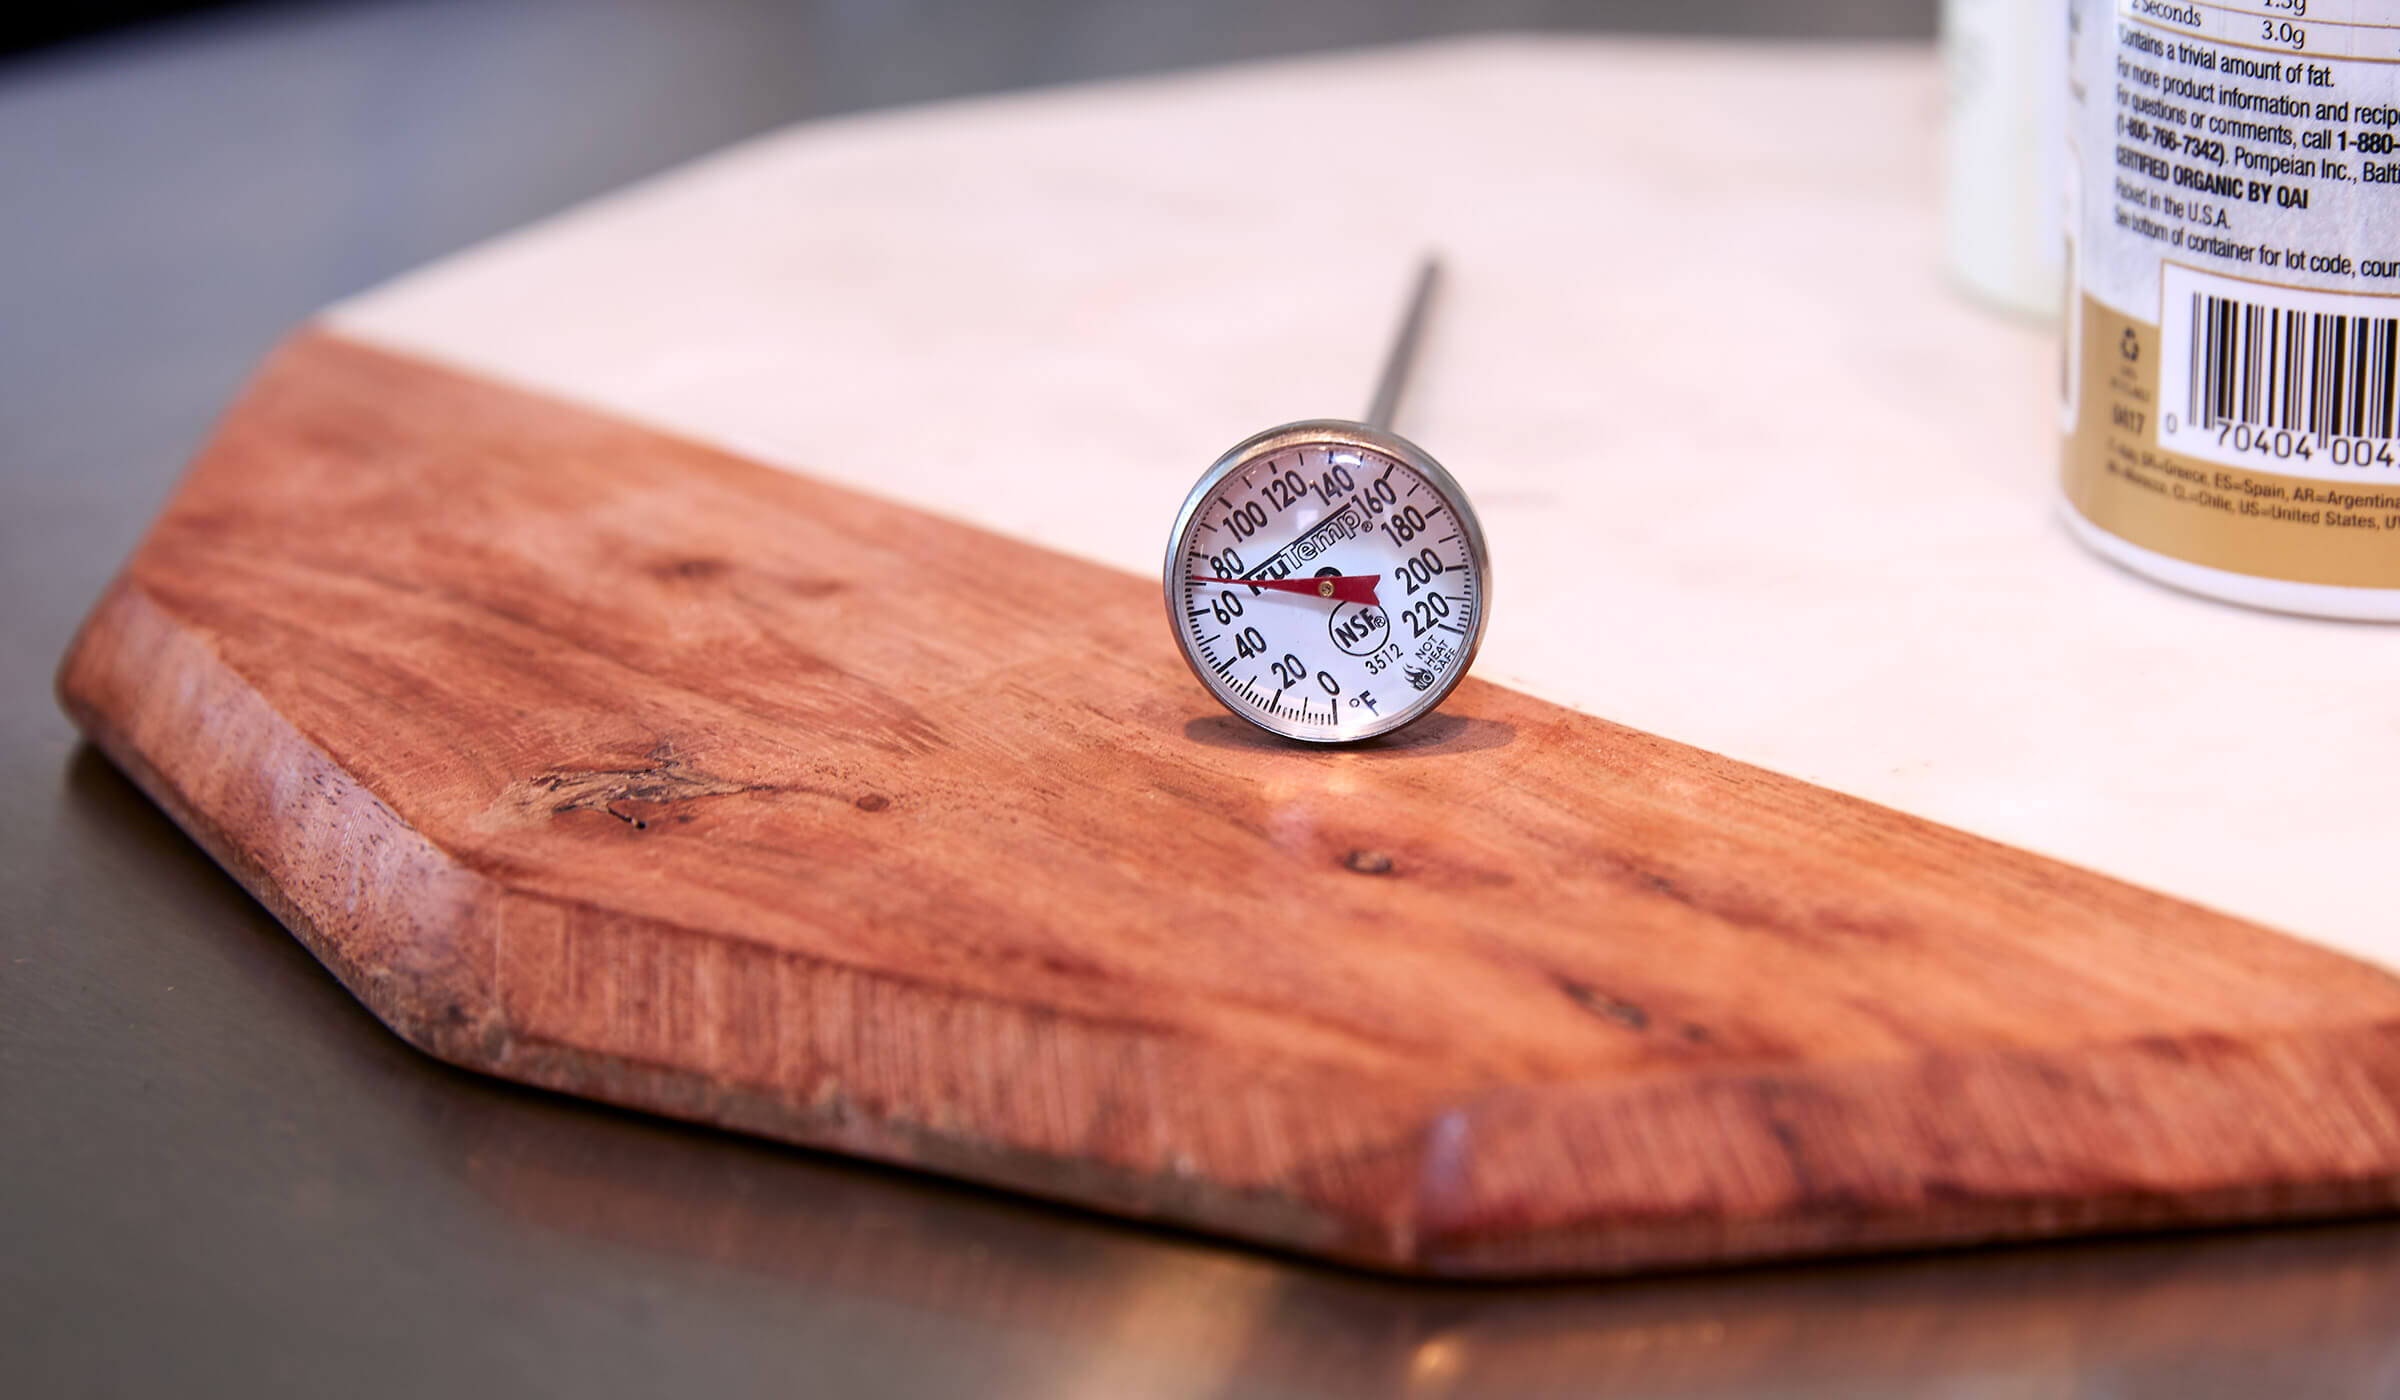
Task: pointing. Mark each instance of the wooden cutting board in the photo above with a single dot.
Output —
(604, 759)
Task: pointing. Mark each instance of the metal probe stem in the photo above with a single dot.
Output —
(1404, 347)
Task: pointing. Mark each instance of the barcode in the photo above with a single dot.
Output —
(2326, 374)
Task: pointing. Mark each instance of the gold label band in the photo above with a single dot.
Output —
(2239, 519)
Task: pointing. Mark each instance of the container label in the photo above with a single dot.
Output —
(2233, 371)
(2256, 515)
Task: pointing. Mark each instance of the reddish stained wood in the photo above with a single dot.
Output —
(588, 757)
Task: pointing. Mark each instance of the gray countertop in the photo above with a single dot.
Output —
(219, 1174)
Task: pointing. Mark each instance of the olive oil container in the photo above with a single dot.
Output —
(2231, 380)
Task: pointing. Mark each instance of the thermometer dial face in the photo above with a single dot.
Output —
(1327, 581)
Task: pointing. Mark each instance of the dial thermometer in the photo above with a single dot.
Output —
(1327, 579)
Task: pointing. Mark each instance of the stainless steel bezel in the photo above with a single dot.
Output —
(1330, 432)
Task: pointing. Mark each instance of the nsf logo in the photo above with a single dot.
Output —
(1359, 629)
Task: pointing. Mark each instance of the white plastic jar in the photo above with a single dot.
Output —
(2232, 375)
(2006, 65)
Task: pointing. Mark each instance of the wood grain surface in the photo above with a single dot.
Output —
(603, 761)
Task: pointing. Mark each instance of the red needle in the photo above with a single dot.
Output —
(1350, 588)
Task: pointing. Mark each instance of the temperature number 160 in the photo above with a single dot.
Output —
(1400, 523)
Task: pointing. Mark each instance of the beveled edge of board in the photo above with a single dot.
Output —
(1794, 1160)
